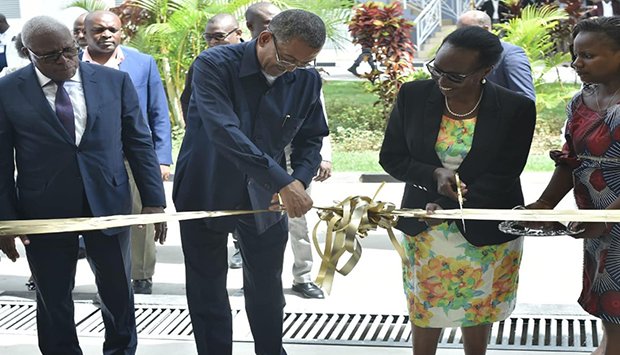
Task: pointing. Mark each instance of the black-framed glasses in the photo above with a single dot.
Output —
(453, 77)
(218, 36)
(286, 64)
(51, 58)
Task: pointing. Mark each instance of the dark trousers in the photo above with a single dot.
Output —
(53, 260)
(367, 55)
(206, 268)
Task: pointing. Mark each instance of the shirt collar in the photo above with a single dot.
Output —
(44, 80)
(114, 62)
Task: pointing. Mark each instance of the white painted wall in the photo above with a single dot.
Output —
(53, 8)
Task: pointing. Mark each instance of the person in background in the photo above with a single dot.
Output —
(78, 31)
(8, 54)
(606, 8)
(513, 70)
(459, 274)
(588, 164)
(103, 34)
(66, 126)
(366, 55)
(258, 16)
(221, 29)
(248, 102)
(497, 10)
(19, 45)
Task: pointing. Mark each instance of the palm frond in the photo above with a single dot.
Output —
(88, 5)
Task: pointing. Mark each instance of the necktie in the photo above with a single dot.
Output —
(64, 109)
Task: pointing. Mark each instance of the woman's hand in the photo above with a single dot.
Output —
(430, 209)
(446, 183)
(590, 229)
(539, 205)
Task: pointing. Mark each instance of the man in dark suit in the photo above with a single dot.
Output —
(248, 102)
(513, 71)
(103, 35)
(606, 8)
(68, 126)
(498, 11)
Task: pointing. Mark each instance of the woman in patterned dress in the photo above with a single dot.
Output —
(459, 275)
(589, 163)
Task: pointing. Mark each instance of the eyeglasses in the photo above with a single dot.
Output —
(218, 36)
(286, 64)
(68, 53)
(453, 77)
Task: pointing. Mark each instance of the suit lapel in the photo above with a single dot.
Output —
(433, 112)
(89, 84)
(33, 93)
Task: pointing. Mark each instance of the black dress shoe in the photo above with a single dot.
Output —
(144, 287)
(308, 290)
(235, 261)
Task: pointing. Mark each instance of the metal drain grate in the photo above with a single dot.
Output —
(529, 332)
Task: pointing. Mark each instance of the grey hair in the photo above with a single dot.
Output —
(42, 25)
(299, 24)
(224, 18)
(480, 18)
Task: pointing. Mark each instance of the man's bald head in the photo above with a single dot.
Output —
(258, 16)
(222, 29)
(474, 18)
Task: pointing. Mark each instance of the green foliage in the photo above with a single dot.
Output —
(533, 32)
(384, 30)
(361, 161)
(173, 33)
(88, 5)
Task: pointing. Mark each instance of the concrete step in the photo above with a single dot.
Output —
(428, 49)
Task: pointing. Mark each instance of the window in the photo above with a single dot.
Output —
(10, 8)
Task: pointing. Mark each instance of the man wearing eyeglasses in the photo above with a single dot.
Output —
(103, 35)
(68, 125)
(248, 102)
(221, 29)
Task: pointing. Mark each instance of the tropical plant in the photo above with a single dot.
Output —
(88, 5)
(171, 31)
(533, 32)
(384, 30)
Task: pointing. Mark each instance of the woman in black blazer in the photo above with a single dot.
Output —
(459, 276)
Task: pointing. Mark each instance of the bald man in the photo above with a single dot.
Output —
(259, 15)
(513, 70)
(78, 31)
(103, 35)
(221, 29)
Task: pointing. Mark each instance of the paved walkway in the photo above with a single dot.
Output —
(550, 277)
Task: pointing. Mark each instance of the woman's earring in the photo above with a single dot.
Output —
(484, 81)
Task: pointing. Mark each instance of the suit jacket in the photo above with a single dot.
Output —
(513, 71)
(57, 178)
(501, 143)
(153, 102)
(614, 4)
(487, 7)
(237, 127)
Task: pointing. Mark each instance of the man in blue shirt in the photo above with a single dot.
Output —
(248, 102)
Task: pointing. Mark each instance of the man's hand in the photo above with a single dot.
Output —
(589, 230)
(165, 172)
(295, 199)
(7, 245)
(325, 171)
(161, 229)
(446, 183)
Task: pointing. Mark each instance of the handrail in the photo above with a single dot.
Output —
(427, 21)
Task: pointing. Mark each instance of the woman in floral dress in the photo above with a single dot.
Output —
(589, 163)
(459, 275)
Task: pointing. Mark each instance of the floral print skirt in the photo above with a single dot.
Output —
(452, 283)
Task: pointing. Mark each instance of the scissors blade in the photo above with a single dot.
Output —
(459, 196)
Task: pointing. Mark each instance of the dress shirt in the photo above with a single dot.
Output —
(76, 94)
(608, 8)
(495, 9)
(114, 62)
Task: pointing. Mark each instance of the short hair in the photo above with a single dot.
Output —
(224, 18)
(609, 26)
(42, 25)
(2, 18)
(299, 24)
(481, 18)
(477, 39)
(88, 20)
(19, 46)
(254, 9)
